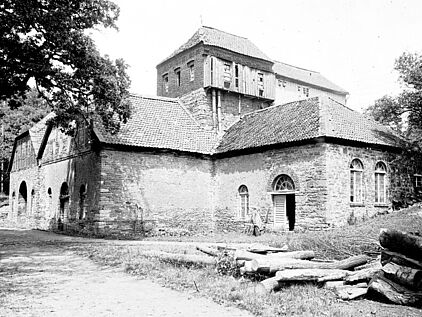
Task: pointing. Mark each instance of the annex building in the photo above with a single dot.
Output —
(230, 131)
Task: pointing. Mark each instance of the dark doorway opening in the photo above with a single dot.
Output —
(291, 210)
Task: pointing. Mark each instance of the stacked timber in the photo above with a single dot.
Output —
(400, 278)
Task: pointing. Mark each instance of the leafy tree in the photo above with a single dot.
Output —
(404, 112)
(44, 43)
(16, 121)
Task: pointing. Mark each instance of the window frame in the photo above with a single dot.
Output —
(178, 74)
(227, 74)
(191, 66)
(260, 77)
(243, 193)
(380, 173)
(166, 82)
(356, 199)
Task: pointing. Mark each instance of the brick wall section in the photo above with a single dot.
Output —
(199, 104)
(171, 190)
(230, 107)
(194, 54)
(304, 164)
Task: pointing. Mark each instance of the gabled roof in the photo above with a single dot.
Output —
(36, 134)
(37, 131)
(305, 120)
(231, 42)
(160, 123)
(306, 76)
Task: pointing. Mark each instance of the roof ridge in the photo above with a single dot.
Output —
(309, 70)
(153, 97)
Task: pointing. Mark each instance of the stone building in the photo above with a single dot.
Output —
(212, 147)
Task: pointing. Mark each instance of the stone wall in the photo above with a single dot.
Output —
(304, 164)
(339, 209)
(165, 189)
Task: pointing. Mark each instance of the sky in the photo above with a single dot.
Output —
(353, 43)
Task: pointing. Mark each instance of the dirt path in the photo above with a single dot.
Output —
(38, 278)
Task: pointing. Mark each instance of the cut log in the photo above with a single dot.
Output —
(395, 292)
(390, 256)
(267, 286)
(272, 265)
(181, 258)
(206, 250)
(402, 242)
(334, 276)
(348, 293)
(274, 283)
(263, 249)
(372, 264)
(246, 255)
(403, 275)
(362, 275)
(334, 284)
(309, 274)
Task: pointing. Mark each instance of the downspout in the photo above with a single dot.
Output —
(214, 109)
(219, 110)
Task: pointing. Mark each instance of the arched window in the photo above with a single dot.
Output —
(243, 202)
(283, 183)
(13, 201)
(356, 181)
(50, 202)
(380, 185)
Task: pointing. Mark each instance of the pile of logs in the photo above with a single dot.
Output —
(396, 274)
(400, 278)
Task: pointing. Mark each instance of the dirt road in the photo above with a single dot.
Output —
(39, 277)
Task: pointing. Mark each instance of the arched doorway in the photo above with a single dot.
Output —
(64, 205)
(22, 199)
(284, 202)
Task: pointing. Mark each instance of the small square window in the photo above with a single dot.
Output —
(418, 181)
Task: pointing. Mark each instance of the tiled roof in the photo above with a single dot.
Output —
(342, 122)
(163, 123)
(306, 76)
(214, 37)
(302, 120)
(37, 131)
(291, 122)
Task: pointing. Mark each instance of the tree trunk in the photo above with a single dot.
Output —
(274, 283)
(395, 292)
(206, 250)
(403, 275)
(246, 255)
(389, 256)
(262, 249)
(272, 265)
(402, 242)
(362, 275)
(180, 258)
(309, 274)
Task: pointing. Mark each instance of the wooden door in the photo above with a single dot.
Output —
(279, 210)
